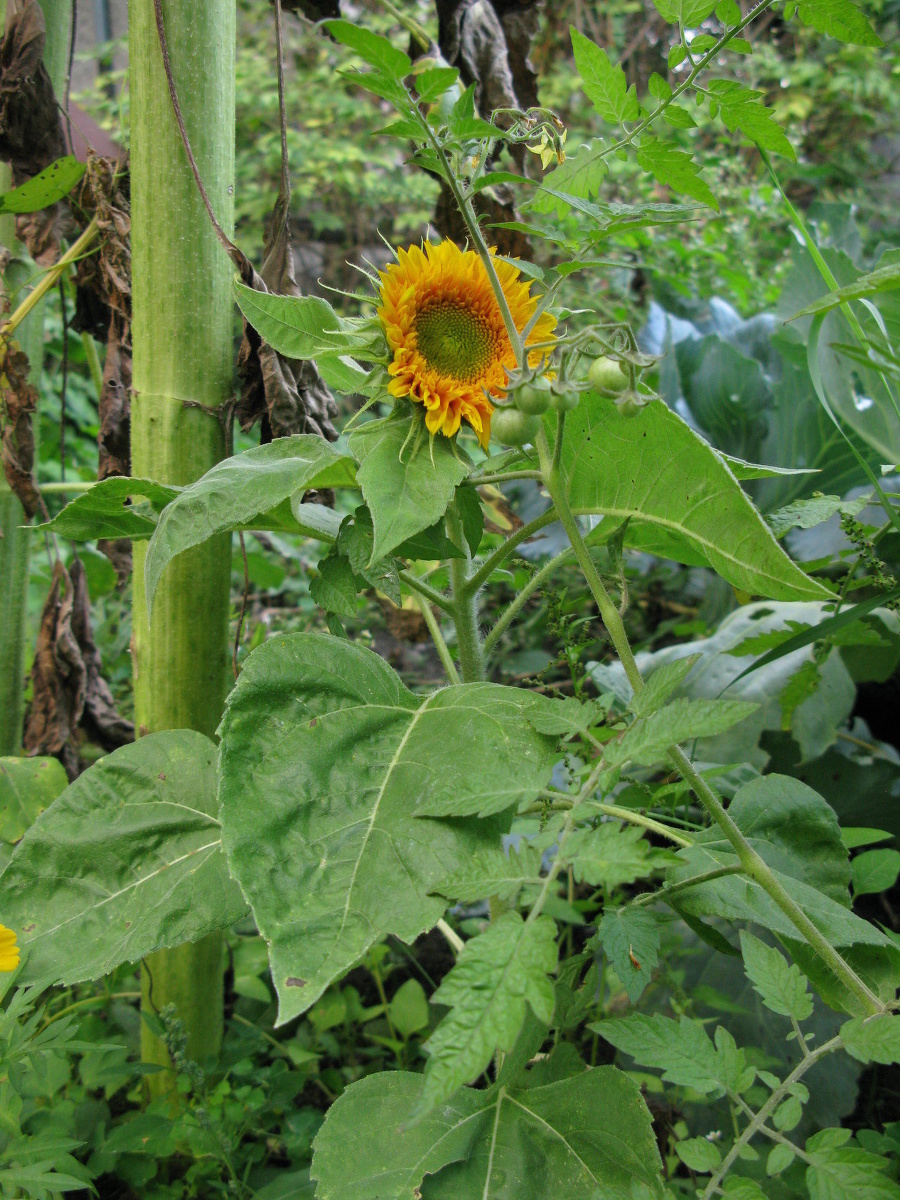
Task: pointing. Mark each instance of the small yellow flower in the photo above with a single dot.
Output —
(445, 329)
(9, 951)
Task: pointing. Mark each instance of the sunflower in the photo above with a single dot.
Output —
(445, 329)
(9, 951)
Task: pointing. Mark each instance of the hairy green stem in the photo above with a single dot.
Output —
(751, 862)
(666, 893)
(425, 589)
(68, 485)
(498, 556)
(49, 280)
(505, 476)
(452, 938)
(759, 871)
(772, 1134)
(555, 485)
(465, 599)
(636, 818)
(686, 83)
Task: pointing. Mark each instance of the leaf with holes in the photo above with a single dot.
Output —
(44, 189)
(107, 510)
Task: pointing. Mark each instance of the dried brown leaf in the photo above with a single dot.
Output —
(103, 308)
(31, 135)
(114, 436)
(67, 684)
(18, 402)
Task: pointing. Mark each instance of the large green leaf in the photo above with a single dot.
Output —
(108, 510)
(678, 493)
(487, 990)
(126, 861)
(326, 761)
(801, 433)
(581, 1138)
(407, 482)
(795, 831)
(239, 489)
(27, 787)
(727, 393)
(368, 1150)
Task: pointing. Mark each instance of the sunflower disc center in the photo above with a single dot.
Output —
(454, 340)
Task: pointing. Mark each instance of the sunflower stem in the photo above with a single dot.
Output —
(497, 557)
(465, 615)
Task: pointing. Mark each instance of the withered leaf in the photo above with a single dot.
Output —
(114, 435)
(103, 307)
(31, 135)
(68, 688)
(18, 401)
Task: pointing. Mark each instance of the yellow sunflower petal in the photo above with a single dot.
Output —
(445, 329)
(9, 951)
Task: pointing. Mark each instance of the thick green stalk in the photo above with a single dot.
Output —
(15, 539)
(182, 377)
(751, 862)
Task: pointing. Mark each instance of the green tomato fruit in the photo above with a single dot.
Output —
(514, 428)
(630, 403)
(533, 398)
(607, 376)
(565, 401)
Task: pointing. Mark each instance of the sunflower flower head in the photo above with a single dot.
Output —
(9, 951)
(444, 327)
